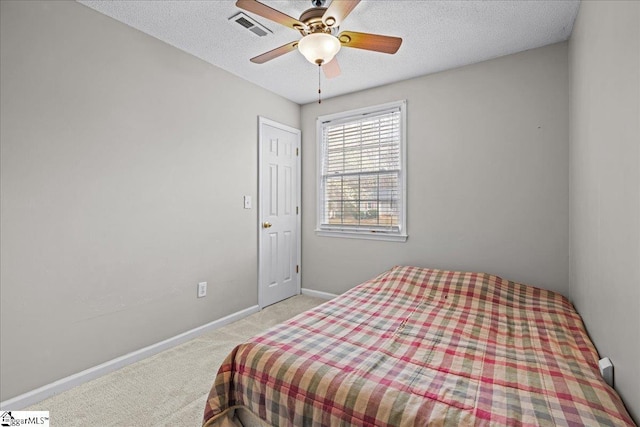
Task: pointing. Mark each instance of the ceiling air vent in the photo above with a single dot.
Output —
(250, 24)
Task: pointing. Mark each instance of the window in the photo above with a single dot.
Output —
(361, 173)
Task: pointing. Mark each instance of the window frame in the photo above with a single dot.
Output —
(356, 232)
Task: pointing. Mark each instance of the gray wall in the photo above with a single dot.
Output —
(124, 163)
(487, 175)
(604, 60)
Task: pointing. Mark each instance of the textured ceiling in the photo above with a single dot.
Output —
(437, 35)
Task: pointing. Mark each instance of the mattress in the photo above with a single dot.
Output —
(418, 346)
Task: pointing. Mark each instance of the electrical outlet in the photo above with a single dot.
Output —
(606, 370)
(202, 289)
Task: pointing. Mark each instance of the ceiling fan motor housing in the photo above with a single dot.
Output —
(312, 19)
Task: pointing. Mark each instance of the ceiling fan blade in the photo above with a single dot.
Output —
(272, 54)
(331, 69)
(377, 42)
(338, 10)
(274, 15)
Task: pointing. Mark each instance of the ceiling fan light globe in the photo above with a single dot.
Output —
(319, 48)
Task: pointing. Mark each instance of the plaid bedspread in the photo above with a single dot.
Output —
(423, 347)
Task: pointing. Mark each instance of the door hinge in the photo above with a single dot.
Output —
(297, 269)
(297, 152)
(297, 210)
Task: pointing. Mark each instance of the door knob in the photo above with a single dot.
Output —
(266, 224)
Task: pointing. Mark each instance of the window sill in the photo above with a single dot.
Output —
(363, 235)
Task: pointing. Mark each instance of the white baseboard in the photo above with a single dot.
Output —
(39, 394)
(317, 294)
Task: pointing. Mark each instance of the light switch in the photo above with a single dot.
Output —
(247, 202)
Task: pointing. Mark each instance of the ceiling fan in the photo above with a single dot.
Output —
(319, 27)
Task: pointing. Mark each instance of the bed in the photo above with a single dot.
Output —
(418, 346)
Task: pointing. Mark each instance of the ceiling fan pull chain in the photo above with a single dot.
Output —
(319, 90)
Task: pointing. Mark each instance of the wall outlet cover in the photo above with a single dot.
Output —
(606, 370)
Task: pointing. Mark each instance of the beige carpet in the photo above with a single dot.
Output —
(168, 389)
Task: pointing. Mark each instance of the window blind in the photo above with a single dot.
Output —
(361, 173)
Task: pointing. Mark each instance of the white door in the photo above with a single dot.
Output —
(279, 226)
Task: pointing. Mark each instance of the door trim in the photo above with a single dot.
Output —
(265, 121)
